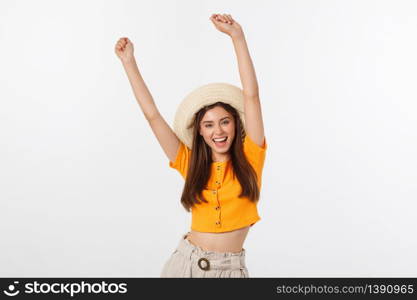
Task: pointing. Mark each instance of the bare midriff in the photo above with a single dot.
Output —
(230, 241)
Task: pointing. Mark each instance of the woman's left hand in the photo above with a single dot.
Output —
(226, 24)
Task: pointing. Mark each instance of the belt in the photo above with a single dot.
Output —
(210, 260)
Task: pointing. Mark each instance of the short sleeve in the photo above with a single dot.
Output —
(255, 153)
(182, 160)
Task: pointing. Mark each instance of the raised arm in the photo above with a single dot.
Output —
(253, 113)
(163, 132)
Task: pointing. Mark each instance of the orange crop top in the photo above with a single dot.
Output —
(224, 210)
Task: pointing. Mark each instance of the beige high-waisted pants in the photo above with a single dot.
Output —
(189, 260)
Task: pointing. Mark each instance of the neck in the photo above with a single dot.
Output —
(220, 157)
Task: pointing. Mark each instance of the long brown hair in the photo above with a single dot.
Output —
(201, 158)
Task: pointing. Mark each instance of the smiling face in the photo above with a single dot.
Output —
(217, 127)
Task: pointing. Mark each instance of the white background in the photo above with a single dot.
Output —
(85, 189)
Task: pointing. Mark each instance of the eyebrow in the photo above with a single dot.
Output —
(212, 121)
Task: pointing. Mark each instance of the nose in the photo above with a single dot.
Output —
(218, 130)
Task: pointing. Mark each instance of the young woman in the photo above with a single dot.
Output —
(218, 146)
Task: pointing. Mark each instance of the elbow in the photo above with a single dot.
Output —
(251, 96)
(152, 117)
(252, 93)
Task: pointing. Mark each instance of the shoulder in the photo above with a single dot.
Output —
(250, 145)
(182, 159)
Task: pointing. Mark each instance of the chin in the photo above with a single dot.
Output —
(222, 150)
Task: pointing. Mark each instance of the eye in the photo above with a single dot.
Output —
(226, 122)
(208, 125)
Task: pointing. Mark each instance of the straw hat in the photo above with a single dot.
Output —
(203, 96)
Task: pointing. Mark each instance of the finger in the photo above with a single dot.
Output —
(231, 19)
(219, 18)
(226, 17)
(215, 18)
(223, 18)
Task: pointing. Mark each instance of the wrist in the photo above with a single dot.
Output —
(128, 61)
(237, 36)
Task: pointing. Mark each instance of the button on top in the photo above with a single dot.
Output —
(218, 167)
(218, 222)
(217, 207)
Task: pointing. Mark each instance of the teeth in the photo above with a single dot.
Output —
(220, 140)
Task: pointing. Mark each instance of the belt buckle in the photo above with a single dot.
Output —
(207, 266)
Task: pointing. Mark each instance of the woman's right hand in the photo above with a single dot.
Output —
(124, 49)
